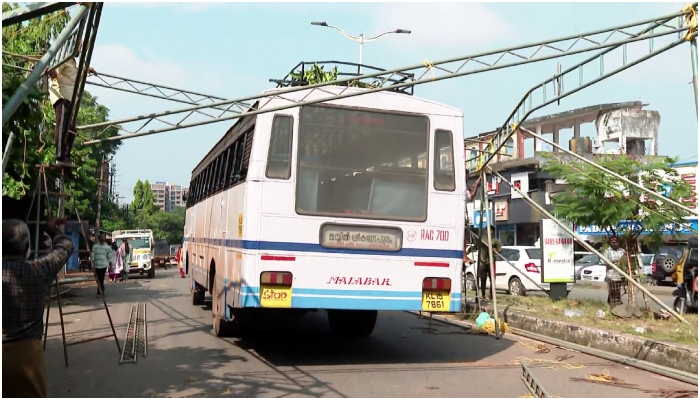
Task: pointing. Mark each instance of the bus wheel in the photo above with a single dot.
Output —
(152, 273)
(197, 295)
(222, 328)
(352, 322)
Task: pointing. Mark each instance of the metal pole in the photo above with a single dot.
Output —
(616, 175)
(362, 42)
(491, 265)
(99, 197)
(589, 247)
(24, 89)
(31, 10)
(694, 65)
(8, 150)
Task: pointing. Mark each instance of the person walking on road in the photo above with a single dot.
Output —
(24, 287)
(126, 259)
(115, 270)
(101, 257)
(178, 260)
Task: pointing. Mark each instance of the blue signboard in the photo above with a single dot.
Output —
(688, 228)
(478, 220)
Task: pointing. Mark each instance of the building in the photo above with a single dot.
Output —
(621, 128)
(168, 196)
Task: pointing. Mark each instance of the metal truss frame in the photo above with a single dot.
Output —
(63, 47)
(525, 107)
(31, 10)
(569, 45)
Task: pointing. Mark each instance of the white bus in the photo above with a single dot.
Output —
(351, 206)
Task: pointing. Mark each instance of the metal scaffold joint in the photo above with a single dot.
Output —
(600, 39)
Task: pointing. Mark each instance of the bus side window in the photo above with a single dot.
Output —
(443, 165)
(279, 158)
(232, 164)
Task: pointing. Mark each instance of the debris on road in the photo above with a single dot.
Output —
(673, 393)
(606, 379)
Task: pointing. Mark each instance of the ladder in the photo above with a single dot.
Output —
(41, 216)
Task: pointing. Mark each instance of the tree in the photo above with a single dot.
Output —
(34, 120)
(168, 225)
(142, 205)
(597, 198)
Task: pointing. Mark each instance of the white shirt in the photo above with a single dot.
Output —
(63, 86)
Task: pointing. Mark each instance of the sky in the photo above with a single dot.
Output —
(231, 50)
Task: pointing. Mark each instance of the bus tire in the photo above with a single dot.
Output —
(355, 323)
(197, 295)
(222, 328)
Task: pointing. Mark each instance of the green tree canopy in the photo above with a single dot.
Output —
(598, 198)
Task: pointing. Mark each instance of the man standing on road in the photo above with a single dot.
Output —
(614, 253)
(101, 257)
(178, 260)
(24, 287)
(484, 262)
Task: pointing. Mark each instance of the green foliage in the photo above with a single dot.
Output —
(168, 225)
(316, 74)
(598, 198)
(33, 122)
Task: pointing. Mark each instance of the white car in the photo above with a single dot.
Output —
(594, 273)
(517, 279)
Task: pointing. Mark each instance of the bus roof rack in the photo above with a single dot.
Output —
(295, 77)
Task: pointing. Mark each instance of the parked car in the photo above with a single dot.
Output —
(598, 272)
(593, 273)
(587, 260)
(666, 258)
(520, 277)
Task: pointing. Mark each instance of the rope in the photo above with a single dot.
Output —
(430, 67)
(691, 21)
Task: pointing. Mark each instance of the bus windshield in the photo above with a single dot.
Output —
(362, 164)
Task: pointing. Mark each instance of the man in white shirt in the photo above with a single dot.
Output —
(62, 86)
(614, 253)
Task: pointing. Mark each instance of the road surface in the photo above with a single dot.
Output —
(406, 357)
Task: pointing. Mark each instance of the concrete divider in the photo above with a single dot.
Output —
(671, 355)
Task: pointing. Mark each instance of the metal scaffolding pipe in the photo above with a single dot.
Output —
(588, 246)
(22, 92)
(522, 60)
(31, 10)
(625, 66)
(616, 175)
(694, 66)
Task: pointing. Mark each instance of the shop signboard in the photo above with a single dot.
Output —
(557, 253)
(689, 227)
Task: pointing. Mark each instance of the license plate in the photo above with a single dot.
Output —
(275, 297)
(161, 261)
(434, 301)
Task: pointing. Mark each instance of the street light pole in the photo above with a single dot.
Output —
(361, 38)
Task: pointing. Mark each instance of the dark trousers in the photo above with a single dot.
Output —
(484, 272)
(101, 278)
(64, 135)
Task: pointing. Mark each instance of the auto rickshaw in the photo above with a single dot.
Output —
(686, 278)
